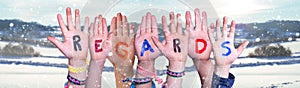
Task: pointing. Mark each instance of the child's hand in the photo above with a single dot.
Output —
(99, 39)
(223, 47)
(75, 44)
(175, 45)
(145, 47)
(199, 42)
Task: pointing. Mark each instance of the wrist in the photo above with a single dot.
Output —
(222, 70)
(77, 62)
(147, 66)
(176, 66)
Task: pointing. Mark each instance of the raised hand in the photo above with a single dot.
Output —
(100, 46)
(223, 47)
(123, 49)
(99, 39)
(146, 50)
(75, 44)
(175, 45)
(145, 47)
(199, 43)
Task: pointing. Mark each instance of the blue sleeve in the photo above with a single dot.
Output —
(219, 82)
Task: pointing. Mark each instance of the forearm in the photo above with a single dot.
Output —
(175, 66)
(121, 75)
(147, 66)
(95, 74)
(80, 76)
(205, 70)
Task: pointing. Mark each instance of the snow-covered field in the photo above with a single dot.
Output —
(25, 76)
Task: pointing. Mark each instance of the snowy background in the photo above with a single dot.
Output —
(29, 22)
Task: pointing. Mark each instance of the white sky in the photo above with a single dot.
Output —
(243, 11)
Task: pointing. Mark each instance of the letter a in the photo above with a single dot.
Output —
(146, 46)
(76, 40)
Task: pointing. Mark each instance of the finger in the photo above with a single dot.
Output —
(86, 25)
(211, 33)
(119, 24)
(62, 25)
(131, 31)
(104, 27)
(179, 24)
(218, 29)
(69, 19)
(197, 18)
(95, 28)
(172, 23)
(56, 42)
(188, 22)
(167, 38)
(204, 21)
(157, 43)
(241, 48)
(77, 20)
(138, 32)
(92, 29)
(107, 44)
(224, 30)
(148, 24)
(143, 25)
(154, 25)
(125, 26)
(232, 30)
(164, 23)
(113, 25)
(100, 28)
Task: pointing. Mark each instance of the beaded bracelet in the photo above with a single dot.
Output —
(138, 80)
(175, 74)
(75, 81)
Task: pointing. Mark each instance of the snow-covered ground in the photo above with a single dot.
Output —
(25, 76)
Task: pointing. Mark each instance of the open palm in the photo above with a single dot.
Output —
(75, 43)
(199, 42)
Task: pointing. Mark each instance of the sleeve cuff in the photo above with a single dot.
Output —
(219, 82)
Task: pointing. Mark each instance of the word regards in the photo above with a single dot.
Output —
(119, 50)
(76, 40)
(146, 46)
(228, 49)
(176, 43)
(98, 46)
(198, 41)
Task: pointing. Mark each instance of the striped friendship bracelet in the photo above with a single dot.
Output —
(175, 74)
(138, 80)
(75, 81)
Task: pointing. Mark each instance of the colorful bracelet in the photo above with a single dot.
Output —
(75, 81)
(175, 74)
(138, 80)
(76, 70)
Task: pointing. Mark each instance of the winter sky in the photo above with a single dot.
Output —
(243, 11)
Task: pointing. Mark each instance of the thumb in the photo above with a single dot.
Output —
(56, 42)
(157, 43)
(241, 48)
